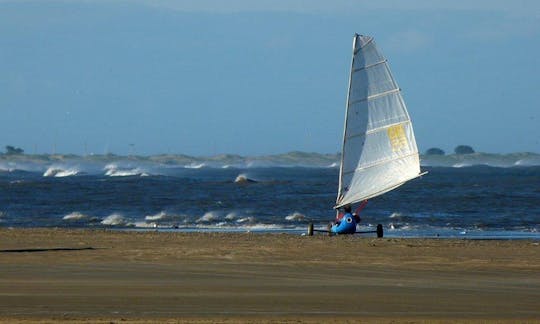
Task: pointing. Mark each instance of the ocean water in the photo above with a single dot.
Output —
(460, 200)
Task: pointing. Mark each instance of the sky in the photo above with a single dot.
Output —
(208, 77)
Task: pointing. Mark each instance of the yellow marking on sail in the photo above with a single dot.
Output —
(397, 137)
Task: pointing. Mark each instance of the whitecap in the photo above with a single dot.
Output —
(461, 165)
(162, 216)
(243, 178)
(114, 220)
(296, 216)
(262, 227)
(75, 216)
(194, 165)
(208, 217)
(527, 162)
(157, 217)
(246, 220)
(126, 173)
(144, 225)
(59, 171)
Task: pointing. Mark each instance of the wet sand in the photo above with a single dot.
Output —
(51, 275)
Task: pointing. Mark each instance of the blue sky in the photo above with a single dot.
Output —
(260, 77)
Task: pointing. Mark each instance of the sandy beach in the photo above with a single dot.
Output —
(52, 275)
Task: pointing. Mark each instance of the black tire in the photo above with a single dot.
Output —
(379, 230)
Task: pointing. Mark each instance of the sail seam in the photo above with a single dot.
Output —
(369, 66)
(381, 162)
(382, 94)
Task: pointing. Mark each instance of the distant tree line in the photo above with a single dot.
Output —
(12, 150)
(460, 149)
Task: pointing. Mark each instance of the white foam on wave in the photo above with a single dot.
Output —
(333, 165)
(75, 216)
(157, 217)
(527, 162)
(461, 165)
(6, 168)
(195, 165)
(243, 178)
(113, 170)
(115, 220)
(163, 217)
(60, 171)
(239, 228)
(263, 227)
(296, 216)
(396, 215)
(208, 217)
(231, 216)
(249, 219)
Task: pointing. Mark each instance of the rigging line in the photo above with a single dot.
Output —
(369, 66)
(381, 162)
(377, 95)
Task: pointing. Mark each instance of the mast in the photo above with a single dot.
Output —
(346, 118)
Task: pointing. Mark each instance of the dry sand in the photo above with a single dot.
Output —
(50, 275)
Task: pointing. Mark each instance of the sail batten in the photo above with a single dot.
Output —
(374, 130)
(379, 150)
(376, 95)
(369, 66)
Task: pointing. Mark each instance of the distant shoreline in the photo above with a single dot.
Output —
(296, 158)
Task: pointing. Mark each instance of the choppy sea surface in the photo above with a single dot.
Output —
(467, 196)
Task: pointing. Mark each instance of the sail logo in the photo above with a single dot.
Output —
(397, 137)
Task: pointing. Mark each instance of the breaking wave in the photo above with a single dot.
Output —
(114, 170)
(243, 178)
(208, 217)
(296, 216)
(195, 165)
(60, 171)
(115, 220)
(75, 216)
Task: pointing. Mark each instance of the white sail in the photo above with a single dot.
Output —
(379, 150)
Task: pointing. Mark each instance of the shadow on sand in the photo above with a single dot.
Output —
(45, 250)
